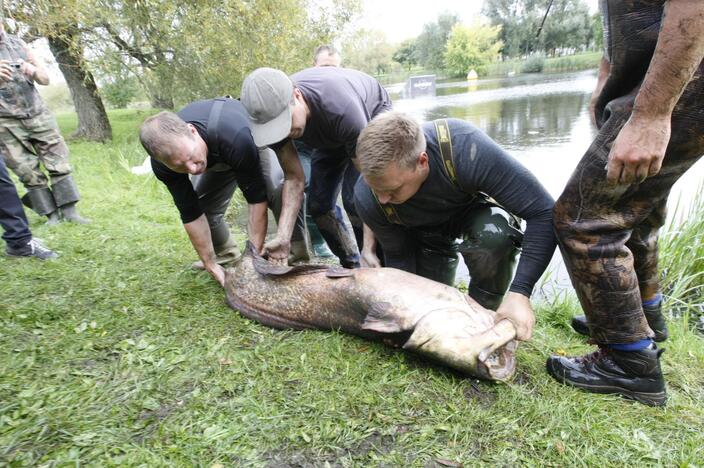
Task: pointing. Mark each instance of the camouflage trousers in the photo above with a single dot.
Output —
(608, 235)
(24, 143)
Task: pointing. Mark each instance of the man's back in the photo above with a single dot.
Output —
(341, 102)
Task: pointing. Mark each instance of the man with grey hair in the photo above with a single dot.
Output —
(326, 108)
(430, 192)
(202, 154)
(326, 56)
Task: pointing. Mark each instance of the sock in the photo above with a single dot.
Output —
(635, 346)
(654, 301)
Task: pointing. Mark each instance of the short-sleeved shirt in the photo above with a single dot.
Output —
(19, 97)
(481, 165)
(341, 102)
(234, 148)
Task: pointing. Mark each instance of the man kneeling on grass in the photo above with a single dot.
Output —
(211, 142)
(430, 192)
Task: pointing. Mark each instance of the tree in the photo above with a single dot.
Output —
(430, 43)
(93, 123)
(368, 51)
(472, 47)
(58, 22)
(567, 26)
(182, 51)
(406, 53)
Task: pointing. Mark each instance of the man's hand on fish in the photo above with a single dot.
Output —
(217, 272)
(638, 150)
(277, 251)
(516, 309)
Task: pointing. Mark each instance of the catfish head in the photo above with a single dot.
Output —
(450, 336)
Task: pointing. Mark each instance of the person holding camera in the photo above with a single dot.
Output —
(29, 135)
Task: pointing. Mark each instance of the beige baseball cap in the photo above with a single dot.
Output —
(267, 95)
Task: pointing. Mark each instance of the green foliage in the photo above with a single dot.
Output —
(431, 42)
(368, 51)
(406, 53)
(472, 48)
(534, 64)
(181, 51)
(568, 26)
(682, 261)
(121, 92)
(118, 354)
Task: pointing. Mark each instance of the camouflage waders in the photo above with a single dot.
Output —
(29, 135)
(608, 234)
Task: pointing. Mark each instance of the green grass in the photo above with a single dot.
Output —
(117, 354)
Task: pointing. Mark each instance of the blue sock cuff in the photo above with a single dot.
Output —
(636, 346)
(654, 301)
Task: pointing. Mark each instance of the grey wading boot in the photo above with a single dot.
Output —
(66, 196)
(41, 201)
(632, 374)
(653, 314)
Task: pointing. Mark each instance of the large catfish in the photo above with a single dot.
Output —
(387, 304)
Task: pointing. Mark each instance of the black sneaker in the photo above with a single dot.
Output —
(653, 314)
(33, 248)
(632, 374)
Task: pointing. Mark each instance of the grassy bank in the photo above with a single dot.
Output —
(577, 62)
(117, 354)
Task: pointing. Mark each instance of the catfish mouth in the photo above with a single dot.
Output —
(499, 365)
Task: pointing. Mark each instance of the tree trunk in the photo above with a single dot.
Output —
(93, 123)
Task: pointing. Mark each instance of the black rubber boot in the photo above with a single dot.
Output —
(632, 374)
(653, 314)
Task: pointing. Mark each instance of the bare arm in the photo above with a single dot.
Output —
(639, 149)
(369, 258)
(256, 228)
(199, 234)
(34, 70)
(292, 197)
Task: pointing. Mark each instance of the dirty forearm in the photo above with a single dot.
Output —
(199, 234)
(256, 228)
(292, 193)
(678, 53)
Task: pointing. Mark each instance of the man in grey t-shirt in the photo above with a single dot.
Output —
(326, 108)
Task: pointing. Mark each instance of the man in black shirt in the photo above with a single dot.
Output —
(325, 108)
(431, 191)
(211, 141)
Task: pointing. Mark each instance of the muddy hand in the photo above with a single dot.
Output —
(516, 309)
(276, 251)
(638, 150)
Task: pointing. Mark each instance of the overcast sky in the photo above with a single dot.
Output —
(403, 19)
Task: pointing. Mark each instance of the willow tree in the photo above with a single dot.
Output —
(181, 51)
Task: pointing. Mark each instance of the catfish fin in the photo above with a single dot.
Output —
(339, 272)
(382, 318)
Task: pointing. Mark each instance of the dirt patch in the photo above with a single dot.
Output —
(480, 393)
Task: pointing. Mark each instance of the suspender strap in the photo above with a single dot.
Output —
(213, 123)
(445, 146)
(389, 211)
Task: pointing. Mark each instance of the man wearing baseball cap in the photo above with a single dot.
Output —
(325, 108)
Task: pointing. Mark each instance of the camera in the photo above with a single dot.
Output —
(15, 65)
